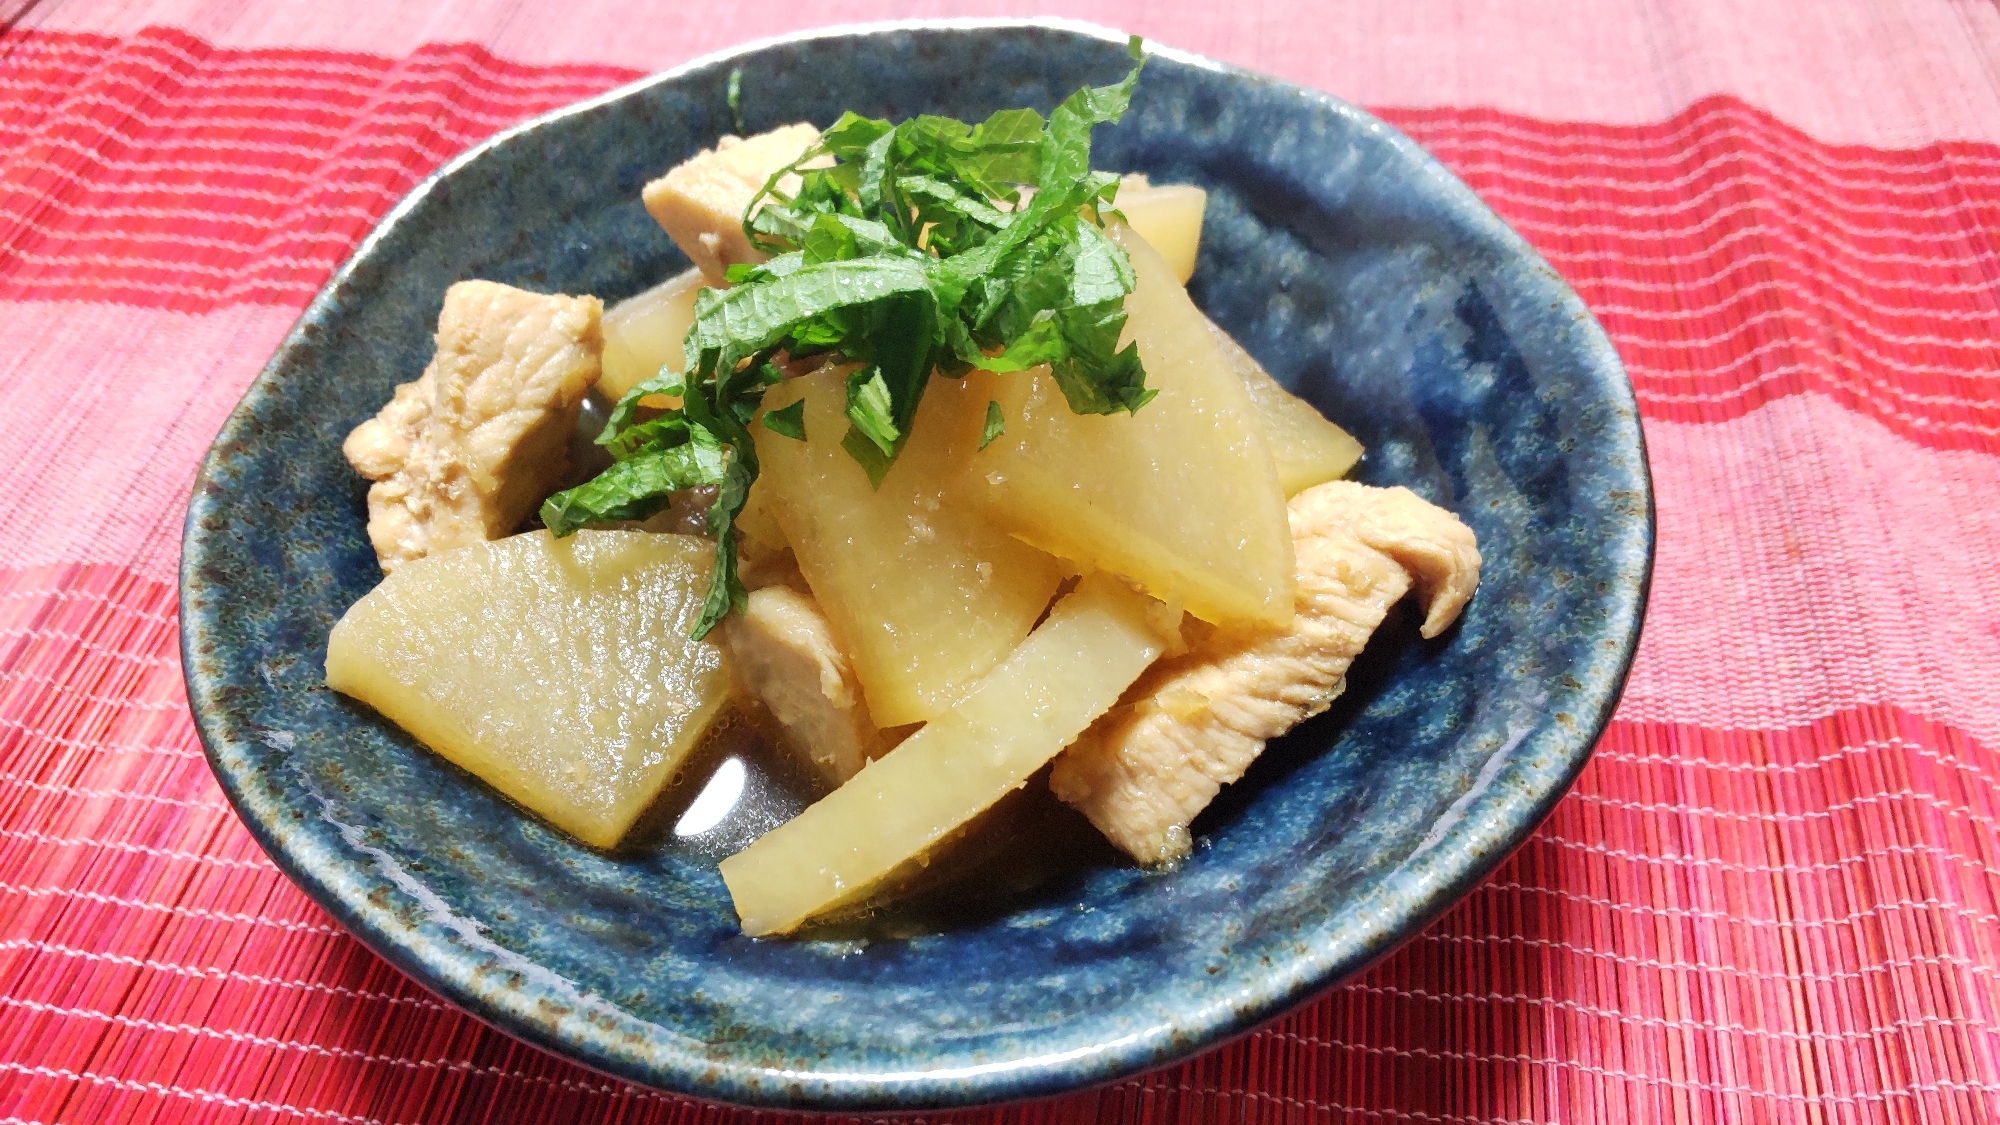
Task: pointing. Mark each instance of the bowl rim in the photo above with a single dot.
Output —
(666, 1064)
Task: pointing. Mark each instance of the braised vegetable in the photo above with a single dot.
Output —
(643, 333)
(915, 251)
(1168, 217)
(558, 671)
(1181, 498)
(923, 594)
(1305, 447)
(1070, 670)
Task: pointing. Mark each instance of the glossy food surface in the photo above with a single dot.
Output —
(1168, 217)
(559, 671)
(1069, 671)
(924, 594)
(1180, 496)
(1306, 449)
(1361, 274)
(645, 331)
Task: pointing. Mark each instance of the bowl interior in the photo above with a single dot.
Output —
(1357, 270)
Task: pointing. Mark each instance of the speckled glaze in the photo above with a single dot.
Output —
(1355, 267)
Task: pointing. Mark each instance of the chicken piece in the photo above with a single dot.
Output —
(700, 201)
(784, 655)
(1195, 722)
(463, 454)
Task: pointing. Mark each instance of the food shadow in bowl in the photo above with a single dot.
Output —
(1354, 267)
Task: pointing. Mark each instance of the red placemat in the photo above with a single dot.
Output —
(1775, 893)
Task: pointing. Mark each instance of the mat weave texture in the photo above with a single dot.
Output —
(1773, 896)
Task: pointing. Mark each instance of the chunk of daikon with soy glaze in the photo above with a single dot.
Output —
(559, 671)
(1305, 447)
(644, 332)
(1017, 717)
(1181, 496)
(1168, 217)
(923, 593)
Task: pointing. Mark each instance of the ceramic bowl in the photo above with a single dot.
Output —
(1363, 275)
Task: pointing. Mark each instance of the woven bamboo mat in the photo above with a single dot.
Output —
(1773, 896)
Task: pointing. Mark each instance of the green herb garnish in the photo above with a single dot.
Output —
(788, 420)
(916, 251)
(996, 424)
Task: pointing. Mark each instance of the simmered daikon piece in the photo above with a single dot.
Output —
(755, 522)
(1067, 672)
(1181, 497)
(644, 332)
(1168, 217)
(1306, 448)
(921, 591)
(557, 670)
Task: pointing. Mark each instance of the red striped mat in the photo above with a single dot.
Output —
(1773, 896)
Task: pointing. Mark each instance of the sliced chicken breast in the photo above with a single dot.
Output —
(1195, 722)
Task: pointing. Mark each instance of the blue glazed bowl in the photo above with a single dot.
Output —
(1360, 272)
